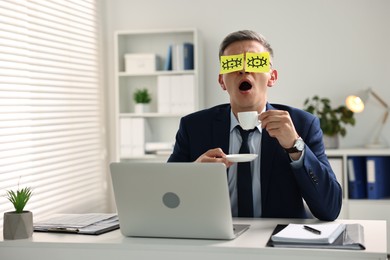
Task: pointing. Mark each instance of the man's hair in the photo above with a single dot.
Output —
(244, 35)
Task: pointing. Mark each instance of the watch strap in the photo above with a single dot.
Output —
(294, 149)
(291, 150)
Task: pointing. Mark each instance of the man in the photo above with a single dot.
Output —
(292, 165)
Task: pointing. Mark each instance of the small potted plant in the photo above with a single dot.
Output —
(142, 99)
(332, 120)
(18, 224)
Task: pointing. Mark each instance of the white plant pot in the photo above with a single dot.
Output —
(141, 108)
(331, 142)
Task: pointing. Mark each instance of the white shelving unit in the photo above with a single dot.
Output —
(157, 128)
(377, 209)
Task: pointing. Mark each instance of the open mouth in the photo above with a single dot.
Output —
(244, 86)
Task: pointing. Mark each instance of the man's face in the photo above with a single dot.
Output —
(247, 90)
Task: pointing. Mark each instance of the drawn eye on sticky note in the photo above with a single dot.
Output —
(232, 63)
(257, 62)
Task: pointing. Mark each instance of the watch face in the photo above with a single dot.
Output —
(299, 144)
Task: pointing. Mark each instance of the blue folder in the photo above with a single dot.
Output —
(378, 177)
(188, 56)
(357, 177)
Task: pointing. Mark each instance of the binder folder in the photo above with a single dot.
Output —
(357, 177)
(378, 177)
(188, 56)
(168, 60)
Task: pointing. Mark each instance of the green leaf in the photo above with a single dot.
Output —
(332, 120)
(142, 96)
(20, 198)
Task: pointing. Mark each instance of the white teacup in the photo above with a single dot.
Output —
(248, 120)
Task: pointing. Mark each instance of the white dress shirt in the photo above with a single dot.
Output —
(254, 142)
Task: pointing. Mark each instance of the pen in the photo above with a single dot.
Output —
(312, 230)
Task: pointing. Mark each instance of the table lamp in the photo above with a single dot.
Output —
(356, 104)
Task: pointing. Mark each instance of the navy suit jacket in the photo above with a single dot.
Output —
(282, 186)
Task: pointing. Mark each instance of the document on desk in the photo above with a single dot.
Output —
(340, 236)
(88, 224)
(316, 233)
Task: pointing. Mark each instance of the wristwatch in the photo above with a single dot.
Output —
(297, 147)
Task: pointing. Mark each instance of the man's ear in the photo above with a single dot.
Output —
(274, 77)
(221, 82)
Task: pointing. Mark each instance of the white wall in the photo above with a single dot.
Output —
(325, 47)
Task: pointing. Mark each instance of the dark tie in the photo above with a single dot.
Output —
(244, 179)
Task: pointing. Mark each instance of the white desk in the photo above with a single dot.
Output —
(250, 245)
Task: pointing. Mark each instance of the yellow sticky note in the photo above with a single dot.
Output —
(232, 63)
(257, 62)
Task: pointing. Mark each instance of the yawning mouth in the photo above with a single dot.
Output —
(244, 86)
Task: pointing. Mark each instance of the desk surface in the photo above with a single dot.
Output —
(114, 245)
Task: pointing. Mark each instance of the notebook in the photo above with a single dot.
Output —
(175, 200)
(352, 238)
(324, 233)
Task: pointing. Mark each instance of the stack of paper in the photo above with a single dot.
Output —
(333, 236)
(297, 233)
(90, 224)
(159, 147)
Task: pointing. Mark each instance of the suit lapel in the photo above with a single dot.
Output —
(221, 127)
(268, 148)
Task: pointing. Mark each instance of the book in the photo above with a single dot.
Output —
(182, 56)
(177, 57)
(188, 56)
(168, 60)
(351, 238)
(300, 233)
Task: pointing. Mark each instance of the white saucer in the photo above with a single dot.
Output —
(241, 157)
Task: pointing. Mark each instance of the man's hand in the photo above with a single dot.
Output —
(214, 155)
(278, 124)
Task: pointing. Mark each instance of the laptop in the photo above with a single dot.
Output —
(173, 200)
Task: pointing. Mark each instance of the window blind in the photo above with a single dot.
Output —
(51, 123)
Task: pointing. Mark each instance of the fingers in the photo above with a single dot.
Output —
(274, 118)
(279, 125)
(214, 155)
(275, 121)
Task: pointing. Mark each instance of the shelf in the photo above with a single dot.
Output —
(147, 157)
(357, 152)
(157, 73)
(369, 209)
(357, 208)
(175, 93)
(385, 201)
(150, 115)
